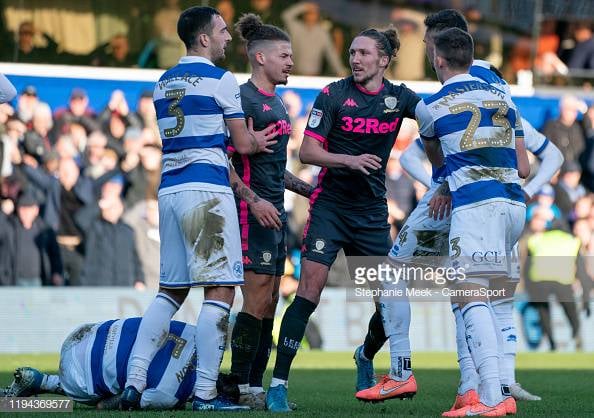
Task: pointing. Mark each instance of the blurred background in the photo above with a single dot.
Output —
(80, 151)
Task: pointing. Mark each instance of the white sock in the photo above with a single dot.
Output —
(504, 315)
(211, 339)
(50, 383)
(396, 319)
(469, 378)
(277, 382)
(152, 334)
(256, 389)
(502, 380)
(482, 343)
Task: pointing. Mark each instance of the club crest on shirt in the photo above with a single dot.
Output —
(390, 102)
(315, 118)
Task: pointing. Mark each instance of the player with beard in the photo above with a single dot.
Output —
(259, 182)
(350, 132)
(196, 102)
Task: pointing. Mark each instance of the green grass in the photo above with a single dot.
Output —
(322, 384)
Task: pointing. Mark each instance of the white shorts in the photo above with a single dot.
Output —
(482, 238)
(421, 235)
(200, 241)
(75, 376)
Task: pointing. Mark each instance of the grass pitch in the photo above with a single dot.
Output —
(322, 384)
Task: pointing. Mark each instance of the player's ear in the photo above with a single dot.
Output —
(260, 57)
(384, 61)
(204, 40)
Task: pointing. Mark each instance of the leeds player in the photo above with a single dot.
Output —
(484, 155)
(93, 363)
(259, 183)
(195, 103)
(350, 132)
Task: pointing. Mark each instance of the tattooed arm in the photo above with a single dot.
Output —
(264, 211)
(296, 185)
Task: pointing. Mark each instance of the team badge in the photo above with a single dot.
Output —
(266, 256)
(319, 246)
(315, 117)
(238, 269)
(390, 102)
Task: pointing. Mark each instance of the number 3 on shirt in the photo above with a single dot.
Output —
(175, 110)
(499, 118)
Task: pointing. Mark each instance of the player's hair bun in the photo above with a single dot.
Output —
(392, 35)
(248, 26)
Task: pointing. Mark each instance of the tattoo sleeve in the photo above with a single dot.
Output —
(240, 189)
(296, 185)
(444, 189)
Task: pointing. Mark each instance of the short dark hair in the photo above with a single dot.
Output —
(456, 47)
(252, 30)
(387, 41)
(446, 19)
(193, 21)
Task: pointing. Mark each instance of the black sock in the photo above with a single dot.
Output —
(291, 333)
(244, 345)
(263, 354)
(376, 336)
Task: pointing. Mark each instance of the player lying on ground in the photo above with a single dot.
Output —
(94, 360)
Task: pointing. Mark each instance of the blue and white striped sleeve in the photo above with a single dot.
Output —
(425, 122)
(227, 96)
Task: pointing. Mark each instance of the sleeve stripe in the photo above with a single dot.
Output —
(314, 135)
(234, 116)
(542, 147)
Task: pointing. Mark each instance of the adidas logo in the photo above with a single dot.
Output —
(350, 103)
(266, 108)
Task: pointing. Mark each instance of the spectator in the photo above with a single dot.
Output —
(488, 42)
(37, 140)
(27, 51)
(115, 53)
(27, 103)
(547, 62)
(144, 220)
(311, 41)
(143, 172)
(410, 64)
(36, 256)
(565, 132)
(582, 56)
(145, 113)
(94, 153)
(554, 260)
(399, 190)
(115, 119)
(545, 198)
(169, 47)
(111, 258)
(77, 111)
(235, 54)
(65, 198)
(569, 190)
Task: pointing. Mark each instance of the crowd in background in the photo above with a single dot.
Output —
(148, 39)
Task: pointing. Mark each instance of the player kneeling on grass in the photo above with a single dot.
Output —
(94, 360)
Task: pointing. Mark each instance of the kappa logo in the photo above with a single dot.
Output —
(246, 260)
(266, 108)
(350, 103)
(319, 246)
(326, 91)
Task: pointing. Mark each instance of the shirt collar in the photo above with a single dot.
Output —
(458, 78)
(187, 59)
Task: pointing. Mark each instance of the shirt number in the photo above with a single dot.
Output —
(175, 110)
(179, 342)
(499, 118)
